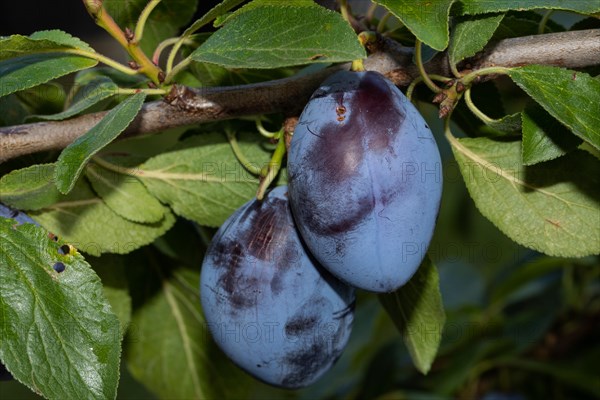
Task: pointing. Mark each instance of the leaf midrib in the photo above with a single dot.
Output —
(500, 171)
(184, 337)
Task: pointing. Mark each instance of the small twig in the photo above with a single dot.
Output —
(382, 22)
(105, 21)
(419, 79)
(268, 174)
(371, 14)
(476, 111)
(141, 24)
(544, 21)
(422, 72)
(239, 154)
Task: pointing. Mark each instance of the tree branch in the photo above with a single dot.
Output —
(185, 106)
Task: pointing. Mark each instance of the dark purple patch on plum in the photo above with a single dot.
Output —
(338, 154)
(343, 313)
(301, 365)
(268, 229)
(300, 324)
(317, 214)
(258, 238)
(377, 105)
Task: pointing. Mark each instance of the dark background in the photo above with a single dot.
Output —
(27, 16)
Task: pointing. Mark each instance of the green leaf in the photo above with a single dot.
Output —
(544, 138)
(507, 124)
(569, 96)
(31, 70)
(96, 91)
(273, 35)
(132, 151)
(26, 62)
(58, 334)
(170, 350)
(550, 207)
(214, 75)
(111, 270)
(85, 221)
(43, 41)
(125, 195)
(418, 312)
(213, 13)
(487, 98)
(481, 7)
(201, 179)
(72, 159)
(470, 35)
(164, 21)
(426, 19)
(30, 188)
(62, 38)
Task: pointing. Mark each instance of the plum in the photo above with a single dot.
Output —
(268, 305)
(19, 216)
(365, 181)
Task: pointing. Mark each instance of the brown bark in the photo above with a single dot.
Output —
(573, 49)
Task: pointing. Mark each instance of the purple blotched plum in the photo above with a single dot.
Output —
(365, 181)
(269, 306)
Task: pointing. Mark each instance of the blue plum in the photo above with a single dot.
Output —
(18, 216)
(275, 312)
(365, 181)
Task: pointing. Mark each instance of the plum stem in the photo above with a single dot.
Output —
(448, 131)
(468, 79)
(183, 64)
(382, 22)
(126, 39)
(103, 59)
(476, 111)
(261, 129)
(454, 70)
(161, 47)
(417, 80)
(544, 21)
(419, 62)
(344, 9)
(141, 24)
(371, 14)
(166, 43)
(239, 154)
(269, 173)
